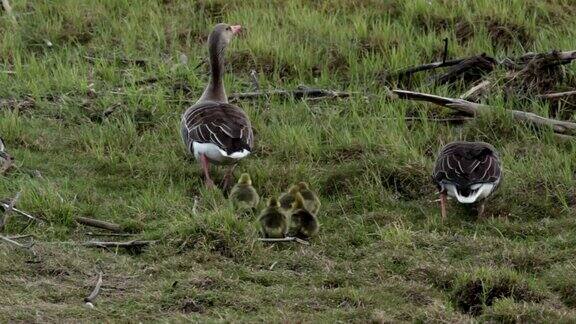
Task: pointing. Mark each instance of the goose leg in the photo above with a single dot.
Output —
(480, 209)
(228, 176)
(443, 204)
(206, 167)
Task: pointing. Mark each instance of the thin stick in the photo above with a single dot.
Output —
(472, 108)
(90, 299)
(286, 239)
(298, 94)
(17, 237)
(475, 90)
(9, 240)
(426, 67)
(8, 210)
(18, 211)
(558, 95)
(127, 244)
(110, 234)
(99, 224)
(273, 265)
(254, 78)
(445, 50)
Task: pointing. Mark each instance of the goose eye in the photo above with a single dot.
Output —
(228, 28)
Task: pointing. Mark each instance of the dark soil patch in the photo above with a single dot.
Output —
(462, 28)
(72, 33)
(347, 153)
(189, 305)
(408, 181)
(337, 62)
(505, 35)
(342, 180)
(464, 31)
(471, 297)
(210, 9)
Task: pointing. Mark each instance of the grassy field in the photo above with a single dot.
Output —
(77, 104)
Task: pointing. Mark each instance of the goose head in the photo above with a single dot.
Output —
(221, 36)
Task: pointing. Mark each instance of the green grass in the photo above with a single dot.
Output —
(382, 255)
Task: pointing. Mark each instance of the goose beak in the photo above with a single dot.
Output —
(236, 29)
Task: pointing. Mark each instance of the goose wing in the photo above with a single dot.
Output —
(465, 164)
(222, 124)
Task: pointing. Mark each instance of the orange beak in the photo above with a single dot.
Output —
(236, 29)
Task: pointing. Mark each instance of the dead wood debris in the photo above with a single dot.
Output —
(95, 292)
(111, 244)
(473, 109)
(285, 239)
(302, 92)
(552, 58)
(99, 224)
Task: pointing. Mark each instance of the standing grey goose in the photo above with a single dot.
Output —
(468, 171)
(213, 130)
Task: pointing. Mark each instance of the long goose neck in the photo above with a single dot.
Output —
(215, 89)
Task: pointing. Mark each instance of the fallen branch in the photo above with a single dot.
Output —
(471, 108)
(127, 244)
(301, 92)
(110, 234)
(558, 95)
(286, 239)
(476, 91)
(513, 63)
(99, 224)
(456, 119)
(426, 67)
(18, 237)
(470, 69)
(9, 240)
(90, 299)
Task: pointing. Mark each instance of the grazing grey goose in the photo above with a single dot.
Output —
(467, 171)
(213, 130)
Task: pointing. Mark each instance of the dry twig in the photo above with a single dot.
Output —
(301, 92)
(7, 210)
(99, 224)
(21, 212)
(472, 108)
(558, 95)
(127, 244)
(95, 292)
(286, 239)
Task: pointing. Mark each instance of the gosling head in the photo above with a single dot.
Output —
(245, 179)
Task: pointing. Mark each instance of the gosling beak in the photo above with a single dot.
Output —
(236, 29)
